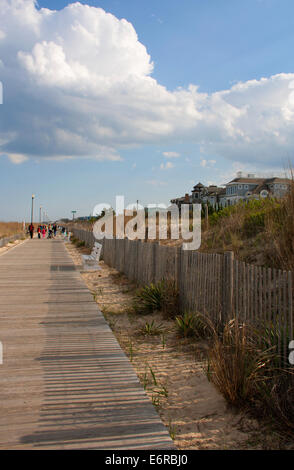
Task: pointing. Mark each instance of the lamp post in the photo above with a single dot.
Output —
(40, 215)
(32, 214)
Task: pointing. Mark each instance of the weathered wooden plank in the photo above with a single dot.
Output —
(65, 382)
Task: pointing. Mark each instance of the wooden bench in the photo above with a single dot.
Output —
(91, 261)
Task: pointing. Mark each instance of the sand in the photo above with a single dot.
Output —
(10, 245)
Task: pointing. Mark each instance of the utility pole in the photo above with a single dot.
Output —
(32, 213)
(206, 216)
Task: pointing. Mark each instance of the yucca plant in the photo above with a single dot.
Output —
(160, 296)
(185, 324)
(149, 298)
(151, 329)
(195, 324)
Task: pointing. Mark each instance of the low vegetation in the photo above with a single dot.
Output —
(258, 231)
(248, 376)
(161, 296)
(242, 361)
(77, 242)
(8, 229)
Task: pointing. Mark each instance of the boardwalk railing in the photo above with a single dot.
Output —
(214, 284)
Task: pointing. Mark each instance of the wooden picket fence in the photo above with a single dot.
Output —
(214, 284)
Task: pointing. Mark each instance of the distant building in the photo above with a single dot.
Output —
(182, 200)
(207, 194)
(241, 188)
(250, 187)
(200, 195)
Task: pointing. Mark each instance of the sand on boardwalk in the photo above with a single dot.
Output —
(10, 245)
(172, 371)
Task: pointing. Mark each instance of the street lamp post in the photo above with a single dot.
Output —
(32, 214)
(40, 215)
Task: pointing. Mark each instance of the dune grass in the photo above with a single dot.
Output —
(10, 228)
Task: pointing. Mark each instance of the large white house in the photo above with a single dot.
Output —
(241, 188)
(250, 187)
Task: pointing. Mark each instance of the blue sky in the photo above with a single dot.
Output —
(158, 137)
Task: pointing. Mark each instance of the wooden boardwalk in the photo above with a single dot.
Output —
(65, 383)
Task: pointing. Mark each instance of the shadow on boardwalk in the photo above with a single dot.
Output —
(90, 396)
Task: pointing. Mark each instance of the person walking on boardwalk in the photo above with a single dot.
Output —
(39, 232)
(50, 231)
(31, 230)
(43, 231)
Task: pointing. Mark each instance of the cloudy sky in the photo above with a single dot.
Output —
(140, 98)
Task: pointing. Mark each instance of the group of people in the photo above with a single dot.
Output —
(43, 230)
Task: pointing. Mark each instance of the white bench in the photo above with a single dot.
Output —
(67, 236)
(91, 261)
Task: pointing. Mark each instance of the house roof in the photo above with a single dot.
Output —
(198, 186)
(247, 180)
(211, 190)
(180, 199)
(278, 180)
(259, 181)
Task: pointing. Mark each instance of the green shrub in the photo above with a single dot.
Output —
(149, 298)
(194, 324)
(254, 223)
(151, 329)
(162, 296)
(185, 324)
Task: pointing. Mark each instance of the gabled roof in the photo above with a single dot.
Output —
(278, 180)
(259, 181)
(211, 190)
(198, 186)
(247, 180)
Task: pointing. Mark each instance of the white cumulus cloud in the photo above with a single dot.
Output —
(171, 154)
(166, 166)
(78, 84)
